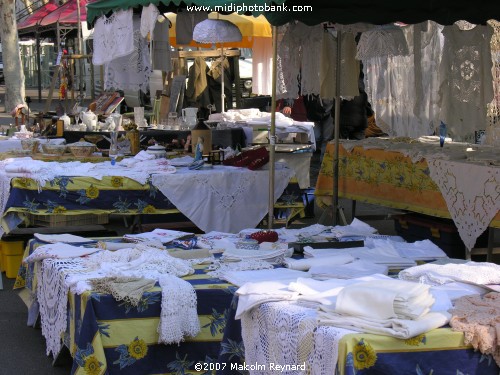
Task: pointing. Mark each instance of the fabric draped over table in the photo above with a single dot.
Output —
(193, 194)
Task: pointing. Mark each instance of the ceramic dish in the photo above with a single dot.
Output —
(30, 144)
(51, 149)
(81, 148)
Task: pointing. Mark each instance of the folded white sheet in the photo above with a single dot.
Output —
(67, 238)
(385, 299)
(330, 261)
(251, 295)
(242, 277)
(400, 328)
(357, 268)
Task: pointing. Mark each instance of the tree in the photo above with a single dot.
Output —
(12, 66)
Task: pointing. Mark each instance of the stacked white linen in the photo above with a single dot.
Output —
(326, 261)
(385, 299)
(273, 255)
(418, 250)
(354, 269)
(386, 307)
(480, 273)
(384, 255)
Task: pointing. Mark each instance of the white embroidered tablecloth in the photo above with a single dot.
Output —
(225, 199)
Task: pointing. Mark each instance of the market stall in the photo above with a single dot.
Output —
(215, 199)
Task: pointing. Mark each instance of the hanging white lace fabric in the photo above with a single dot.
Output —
(52, 293)
(349, 67)
(4, 194)
(400, 66)
(113, 37)
(149, 15)
(466, 80)
(262, 67)
(472, 206)
(160, 49)
(132, 71)
(179, 316)
(285, 333)
(287, 64)
(297, 53)
(493, 115)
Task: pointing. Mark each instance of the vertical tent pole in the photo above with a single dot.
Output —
(272, 136)
(80, 48)
(335, 192)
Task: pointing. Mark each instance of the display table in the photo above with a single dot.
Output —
(220, 137)
(101, 330)
(420, 177)
(226, 199)
(440, 351)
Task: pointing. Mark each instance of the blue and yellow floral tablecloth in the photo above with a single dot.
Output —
(106, 336)
(440, 351)
(71, 196)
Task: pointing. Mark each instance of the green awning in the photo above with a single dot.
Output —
(444, 12)
(380, 12)
(252, 7)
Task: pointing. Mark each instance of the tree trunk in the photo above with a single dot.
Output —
(12, 66)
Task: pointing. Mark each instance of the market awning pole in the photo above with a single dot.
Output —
(335, 192)
(272, 135)
(80, 48)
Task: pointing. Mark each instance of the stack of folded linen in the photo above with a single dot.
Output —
(387, 256)
(387, 307)
(326, 261)
(275, 255)
(385, 299)
(354, 269)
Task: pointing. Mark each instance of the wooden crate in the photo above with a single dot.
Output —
(60, 220)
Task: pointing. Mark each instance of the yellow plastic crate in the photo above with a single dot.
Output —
(12, 255)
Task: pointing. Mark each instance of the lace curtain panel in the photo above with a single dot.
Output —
(130, 72)
(401, 66)
(466, 80)
(113, 37)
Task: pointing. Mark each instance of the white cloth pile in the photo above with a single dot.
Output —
(479, 273)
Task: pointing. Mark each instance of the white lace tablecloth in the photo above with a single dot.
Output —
(224, 199)
(468, 177)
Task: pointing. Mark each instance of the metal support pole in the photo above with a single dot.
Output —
(80, 48)
(39, 67)
(272, 137)
(335, 192)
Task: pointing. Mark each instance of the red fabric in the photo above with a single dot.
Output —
(35, 17)
(252, 159)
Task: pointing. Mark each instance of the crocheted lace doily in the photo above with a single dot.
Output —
(179, 316)
(478, 317)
